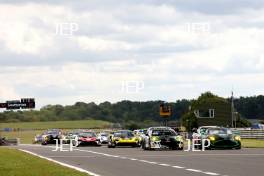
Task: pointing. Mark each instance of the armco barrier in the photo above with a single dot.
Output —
(244, 133)
(252, 134)
(15, 141)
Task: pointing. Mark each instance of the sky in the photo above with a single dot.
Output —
(64, 51)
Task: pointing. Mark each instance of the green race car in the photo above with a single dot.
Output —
(223, 138)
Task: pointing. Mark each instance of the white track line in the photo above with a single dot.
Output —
(133, 159)
(60, 163)
(151, 162)
(193, 170)
(164, 165)
(178, 167)
(145, 161)
(211, 173)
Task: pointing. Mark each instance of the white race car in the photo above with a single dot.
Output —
(103, 138)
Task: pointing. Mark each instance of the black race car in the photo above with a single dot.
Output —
(50, 136)
(162, 138)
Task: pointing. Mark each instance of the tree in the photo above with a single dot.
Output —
(221, 116)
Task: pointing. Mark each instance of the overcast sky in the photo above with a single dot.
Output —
(61, 52)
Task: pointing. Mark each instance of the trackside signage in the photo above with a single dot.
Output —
(16, 105)
(24, 103)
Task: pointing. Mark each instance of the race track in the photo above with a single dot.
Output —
(136, 162)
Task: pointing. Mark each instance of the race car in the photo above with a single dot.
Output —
(37, 139)
(86, 138)
(140, 133)
(201, 132)
(103, 137)
(223, 138)
(71, 135)
(50, 136)
(220, 137)
(162, 138)
(123, 138)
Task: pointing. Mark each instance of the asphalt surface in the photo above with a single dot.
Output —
(134, 161)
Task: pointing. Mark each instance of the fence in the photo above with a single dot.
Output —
(251, 134)
(15, 141)
(244, 133)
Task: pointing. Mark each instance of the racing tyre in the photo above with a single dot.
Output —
(144, 146)
(76, 143)
(43, 143)
(180, 146)
(111, 145)
(238, 148)
(99, 144)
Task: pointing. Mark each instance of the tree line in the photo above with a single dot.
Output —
(125, 111)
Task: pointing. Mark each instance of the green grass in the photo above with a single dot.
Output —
(30, 129)
(252, 143)
(17, 163)
(57, 124)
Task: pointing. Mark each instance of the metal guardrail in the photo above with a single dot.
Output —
(244, 133)
(251, 134)
(15, 141)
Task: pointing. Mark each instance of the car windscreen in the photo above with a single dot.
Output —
(123, 134)
(143, 131)
(163, 133)
(87, 134)
(219, 131)
(52, 132)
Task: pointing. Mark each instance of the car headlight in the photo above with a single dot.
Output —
(179, 138)
(212, 138)
(155, 138)
(237, 138)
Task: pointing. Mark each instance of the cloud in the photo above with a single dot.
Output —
(178, 49)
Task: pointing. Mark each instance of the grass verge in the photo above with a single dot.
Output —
(17, 163)
(28, 130)
(57, 124)
(252, 143)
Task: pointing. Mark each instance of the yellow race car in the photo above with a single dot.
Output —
(123, 138)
